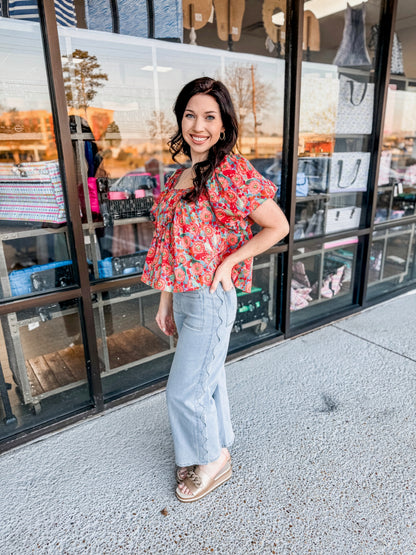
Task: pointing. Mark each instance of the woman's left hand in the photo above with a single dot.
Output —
(223, 275)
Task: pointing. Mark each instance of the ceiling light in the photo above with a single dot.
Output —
(160, 69)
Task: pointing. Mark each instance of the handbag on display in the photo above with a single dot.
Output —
(384, 168)
(316, 170)
(32, 191)
(410, 175)
(355, 107)
(302, 185)
(339, 219)
(349, 171)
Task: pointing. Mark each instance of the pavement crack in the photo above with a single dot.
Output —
(374, 343)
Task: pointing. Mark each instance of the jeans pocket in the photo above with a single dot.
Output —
(193, 308)
(231, 304)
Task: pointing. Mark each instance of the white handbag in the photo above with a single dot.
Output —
(349, 172)
(339, 219)
(355, 107)
(384, 168)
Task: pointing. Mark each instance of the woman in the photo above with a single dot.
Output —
(202, 249)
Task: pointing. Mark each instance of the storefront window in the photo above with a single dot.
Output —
(322, 279)
(42, 366)
(133, 350)
(120, 91)
(336, 121)
(393, 250)
(124, 62)
(336, 116)
(33, 235)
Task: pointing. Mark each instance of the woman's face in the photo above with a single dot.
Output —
(201, 125)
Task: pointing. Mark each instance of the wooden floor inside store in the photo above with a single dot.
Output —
(66, 366)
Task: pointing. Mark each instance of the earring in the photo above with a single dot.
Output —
(222, 136)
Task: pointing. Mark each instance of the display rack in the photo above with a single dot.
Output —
(320, 270)
(56, 372)
(65, 369)
(380, 259)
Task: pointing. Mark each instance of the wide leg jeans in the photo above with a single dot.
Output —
(196, 392)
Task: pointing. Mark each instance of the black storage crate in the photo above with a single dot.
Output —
(49, 279)
(130, 207)
(252, 307)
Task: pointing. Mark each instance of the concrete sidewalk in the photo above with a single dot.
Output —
(324, 459)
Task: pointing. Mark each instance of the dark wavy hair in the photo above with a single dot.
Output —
(177, 144)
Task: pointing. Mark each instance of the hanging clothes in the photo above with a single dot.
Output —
(353, 50)
(168, 20)
(98, 15)
(160, 19)
(28, 10)
(133, 17)
(396, 67)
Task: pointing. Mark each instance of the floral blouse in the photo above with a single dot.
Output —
(192, 239)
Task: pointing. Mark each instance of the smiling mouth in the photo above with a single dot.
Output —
(197, 139)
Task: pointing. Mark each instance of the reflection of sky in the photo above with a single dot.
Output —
(132, 92)
(23, 83)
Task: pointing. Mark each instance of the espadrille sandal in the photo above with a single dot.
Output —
(200, 484)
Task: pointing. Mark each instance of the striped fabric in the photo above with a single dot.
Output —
(28, 9)
(32, 192)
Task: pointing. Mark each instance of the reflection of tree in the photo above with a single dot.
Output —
(82, 78)
(322, 121)
(250, 97)
(112, 135)
(160, 127)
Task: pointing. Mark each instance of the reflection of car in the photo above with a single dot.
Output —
(133, 181)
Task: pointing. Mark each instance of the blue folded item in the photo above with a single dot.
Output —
(302, 184)
(105, 268)
(20, 283)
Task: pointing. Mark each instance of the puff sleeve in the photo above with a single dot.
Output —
(236, 189)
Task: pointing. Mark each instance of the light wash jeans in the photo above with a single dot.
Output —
(196, 392)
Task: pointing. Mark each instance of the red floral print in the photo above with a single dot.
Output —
(192, 239)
